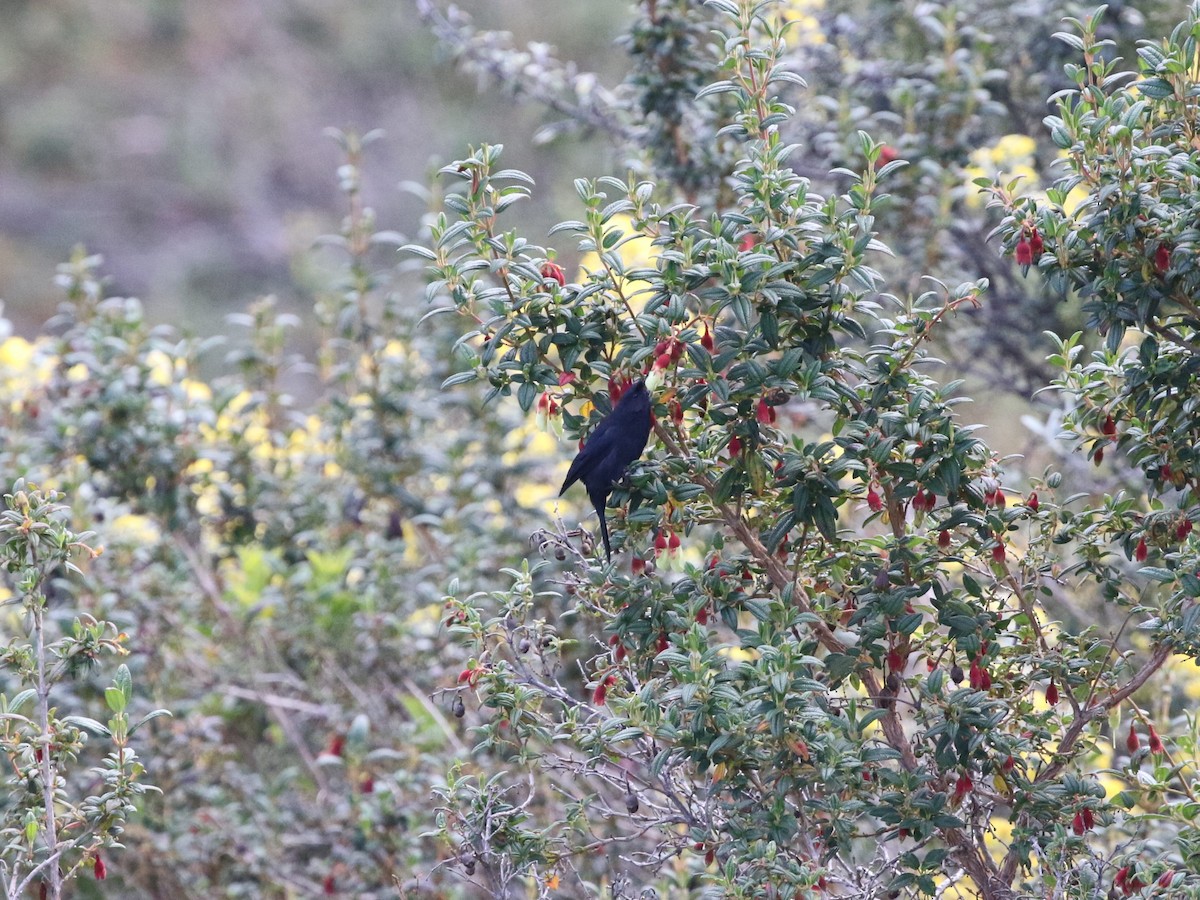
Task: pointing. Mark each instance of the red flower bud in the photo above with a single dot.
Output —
(998, 553)
(1024, 253)
(600, 695)
(1165, 879)
(702, 615)
(660, 541)
(710, 856)
(554, 272)
(918, 500)
(673, 541)
(329, 885)
(1110, 427)
(1077, 824)
(888, 154)
(1098, 456)
(1155, 742)
(1162, 258)
(1141, 551)
(963, 786)
(944, 539)
(662, 361)
(1122, 874)
(1035, 243)
(735, 446)
(1183, 529)
(1089, 818)
(873, 500)
(748, 242)
(1052, 693)
(765, 414)
(637, 565)
(662, 643)
(896, 660)
(1132, 743)
(1009, 764)
(706, 340)
(99, 869)
(465, 675)
(1032, 502)
(976, 676)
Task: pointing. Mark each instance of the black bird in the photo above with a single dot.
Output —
(617, 441)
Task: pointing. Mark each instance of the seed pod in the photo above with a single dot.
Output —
(956, 673)
(459, 708)
(631, 802)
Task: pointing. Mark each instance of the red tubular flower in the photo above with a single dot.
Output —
(1109, 427)
(1162, 258)
(662, 643)
(1142, 551)
(1035, 243)
(764, 413)
(963, 786)
(673, 541)
(1119, 881)
(1024, 253)
(99, 869)
(976, 676)
(1077, 824)
(706, 340)
(873, 499)
(944, 540)
(1155, 742)
(896, 660)
(637, 565)
(998, 553)
(329, 885)
(1089, 818)
(735, 446)
(1009, 765)
(1132, 743)
(748, 242)
(554, 272)
(1183, 529)
(1032, 502)
(660, 542)
(1165, 879)
(1052, 693)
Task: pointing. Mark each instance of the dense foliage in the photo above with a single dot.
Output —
(844, 647)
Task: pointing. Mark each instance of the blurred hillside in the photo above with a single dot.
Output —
(183, 140)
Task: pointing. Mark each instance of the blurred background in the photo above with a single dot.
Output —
(182, 139)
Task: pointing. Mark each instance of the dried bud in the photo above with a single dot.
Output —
(1052, 693)
(893, 683)
(459, 708)
(1132, 743)
(631, 802)
(554, 272)
(956, 673)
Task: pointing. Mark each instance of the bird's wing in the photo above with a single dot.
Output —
(594, 450)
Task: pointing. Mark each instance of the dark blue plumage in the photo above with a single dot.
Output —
(617, 441)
